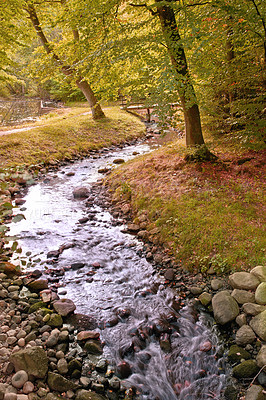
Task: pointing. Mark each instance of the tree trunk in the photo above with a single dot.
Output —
(97, 112)
(185, 87)
(83, 85)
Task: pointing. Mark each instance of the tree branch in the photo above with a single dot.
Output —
(146, 6)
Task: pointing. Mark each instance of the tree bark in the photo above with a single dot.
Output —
(185, 87)
(82, 84)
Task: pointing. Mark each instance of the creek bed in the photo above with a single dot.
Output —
(172, 351)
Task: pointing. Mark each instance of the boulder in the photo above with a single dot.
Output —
(81, 193)
(258, 324)
(32, 360)
(64, 307)
(243, 280)
(59, 383)
(260, 294)
(225, 308)
(259, 272)
(246, 369)
(217, 284)
(243, 296)
(245, 335)
(253, 309)
(261, 357)
(255, 392)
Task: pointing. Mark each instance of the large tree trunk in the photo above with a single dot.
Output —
(83, 85)
(185, 88)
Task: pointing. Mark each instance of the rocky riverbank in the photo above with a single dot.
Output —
(47, 351)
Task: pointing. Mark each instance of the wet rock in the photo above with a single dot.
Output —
(64, 307)
(236, 354)
(81, 193)
(93, 347)
(205, 298)
(246, 369)
(81, 321)
(103, 170)
(253, 309)
(32, 360)
(225, 308)
(206, 346)
(19, 379)
(261, 357)
(123, 370)
(88, 395)
(119, 161)
(59, 383)
(165, 343)
(258, 324)
(77, 265)
(255, 392)
(243, 280)
(259, 272)
(260, 294)
(38, 285)
(243, 296)
(83, 220)
(85, 335)
(53, 254)
(169, 274)
(245, 335)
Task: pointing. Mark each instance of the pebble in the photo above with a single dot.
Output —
(19, 379)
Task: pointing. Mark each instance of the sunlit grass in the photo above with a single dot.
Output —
(65, 135)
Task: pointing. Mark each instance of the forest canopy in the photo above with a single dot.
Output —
(204, 55)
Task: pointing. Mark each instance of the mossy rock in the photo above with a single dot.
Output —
(93, 347)
(236, 354)
(247, 369)
(74, 365)
(55, 320)
(36, 306)
(88, 395)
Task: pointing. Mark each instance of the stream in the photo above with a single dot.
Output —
(104, 272)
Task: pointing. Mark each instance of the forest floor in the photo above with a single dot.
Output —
(203, 214)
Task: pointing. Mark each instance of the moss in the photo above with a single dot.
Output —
(247, 369)
(236, 354)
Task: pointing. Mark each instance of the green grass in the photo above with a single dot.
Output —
(206, 214)
(57, 137)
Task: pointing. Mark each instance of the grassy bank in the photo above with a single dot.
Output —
(61, 136)
(205, 214)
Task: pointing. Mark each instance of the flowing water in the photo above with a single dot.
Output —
(139, 319)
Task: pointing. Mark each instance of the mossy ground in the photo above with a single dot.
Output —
(205, 213)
